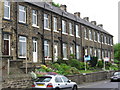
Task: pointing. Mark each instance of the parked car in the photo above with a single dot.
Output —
(54, 82)
(115, 77)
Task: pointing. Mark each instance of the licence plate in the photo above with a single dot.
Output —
(40, 84)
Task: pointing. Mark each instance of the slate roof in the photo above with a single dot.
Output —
(57, 10)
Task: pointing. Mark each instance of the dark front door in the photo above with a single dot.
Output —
(6, 47)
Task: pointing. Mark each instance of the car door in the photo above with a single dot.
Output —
(59, 83)
(67, 85)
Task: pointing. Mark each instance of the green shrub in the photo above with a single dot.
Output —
(93, 61)
(77, 64)
(100, 64)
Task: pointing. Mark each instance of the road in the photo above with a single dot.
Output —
(100, 85)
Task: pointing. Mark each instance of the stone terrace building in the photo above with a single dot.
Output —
(39, 32)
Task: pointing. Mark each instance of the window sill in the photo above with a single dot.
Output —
(71, 34)
(86, 38)
(22, 57)
(64, 33)
(47, 29)
(65, 58)
(7, 19)
(56, 31)
(90, 40)
(77, 36)
(48, 58)
(35, 26)
(23, 23)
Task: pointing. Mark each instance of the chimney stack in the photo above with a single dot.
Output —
(86, 18)
(63, 7)
(93, 22)
(77, 14)
(100, 25)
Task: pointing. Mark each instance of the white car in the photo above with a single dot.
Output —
(54, 82)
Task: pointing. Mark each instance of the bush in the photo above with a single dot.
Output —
(77, 64)
(100, 64)
(93, 61)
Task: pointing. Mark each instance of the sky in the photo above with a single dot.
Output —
(102, 11)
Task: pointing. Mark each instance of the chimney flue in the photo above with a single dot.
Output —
(86, 18)
(93, 22)
(77, 14)
(100, 25)
(63, 7)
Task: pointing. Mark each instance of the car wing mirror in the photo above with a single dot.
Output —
(69, 81)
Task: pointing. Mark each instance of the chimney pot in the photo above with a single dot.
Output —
(93, 22)
(63, 7)
(86, 18)
(77, 14)
(100, 25)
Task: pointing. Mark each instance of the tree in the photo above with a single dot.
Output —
(117, 51)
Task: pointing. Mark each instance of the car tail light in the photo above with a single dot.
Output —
(50, 85)
(33, 85)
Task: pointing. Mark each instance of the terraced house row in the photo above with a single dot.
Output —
(39, 32)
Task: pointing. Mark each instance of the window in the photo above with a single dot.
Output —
(7, 9)
(95, 36)
(111, 41)
(85, 33)
(90, 35)
(55, 24)
(58, 80)
(34, 17)
(22, 14)
(70, 29)
(46, 49)
(46, 21)
(98, 37)
(86, 51)
(99, 54)
(106, 53)
(105, 39)
(103, 55)
(77, 31)
(22, 47)
(6, 44)
(77, 52)
(109, 54)
(71, 49)
(65, 79)
(95, 52)
(102, 38)
(64, 51)
(91, 51)
(64, 27)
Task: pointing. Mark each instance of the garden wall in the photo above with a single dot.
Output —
(24, 81)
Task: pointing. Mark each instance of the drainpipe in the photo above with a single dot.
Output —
(42, 37)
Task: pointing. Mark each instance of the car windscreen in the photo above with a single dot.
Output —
(117, 73)
(43, 79)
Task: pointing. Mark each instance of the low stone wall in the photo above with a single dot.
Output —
(17, 81)
(91, 77)
(24, 81)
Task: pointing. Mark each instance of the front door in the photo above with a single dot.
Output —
(55, 52)
(34, 50)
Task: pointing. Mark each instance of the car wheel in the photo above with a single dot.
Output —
(75, 87)
(57, 89)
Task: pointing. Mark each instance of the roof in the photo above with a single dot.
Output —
(58, 11)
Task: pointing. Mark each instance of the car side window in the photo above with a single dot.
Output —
(58, 79)
(65, 79)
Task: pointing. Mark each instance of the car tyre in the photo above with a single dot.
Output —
(57, 88)
(75, 87)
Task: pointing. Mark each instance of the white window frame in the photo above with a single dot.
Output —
(46, 20)
(19, 46)
(46, 44)
(65, 47)
(85, 34)
(23, 11)
(64, 28)
(77, 52)
(95, 52)
(55, 24)
(70, 29)
(86, 51)
(71, 49)
(98, 37)
(77, 31)
(9, 42)
(99, 54)
(34, 14)
(7, 5)
(90, 35)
